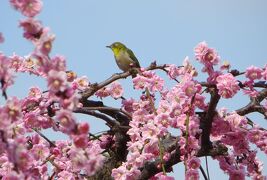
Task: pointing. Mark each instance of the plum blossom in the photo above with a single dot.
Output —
(13, 108)
(161, 176)
(103, 92)
(127, 104)
(40, 151)
(32, 29)
(162, 119)
(227, 85)
(57, 80)
(123, 172)
(173, 71)
(15, 62)
(66, 121)
(28, 8)
(237, 174)
(206, 55)
(58, 63)
(80, 141)
(194, 163)
(35, 92)
(253, 73)
(148, 80)
(81, 83)
(116, 90)
(65, 175)
(192, 174)
(44, 44)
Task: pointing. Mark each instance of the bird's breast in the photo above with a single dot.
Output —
(124, 61)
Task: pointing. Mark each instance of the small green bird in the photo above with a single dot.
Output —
(124, 56)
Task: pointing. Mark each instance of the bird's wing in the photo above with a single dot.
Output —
(132, 56)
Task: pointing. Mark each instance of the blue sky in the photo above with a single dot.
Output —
(165, 31)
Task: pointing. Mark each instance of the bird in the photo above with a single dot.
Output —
(124, 57)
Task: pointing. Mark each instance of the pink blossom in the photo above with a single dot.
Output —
(152, 146)
(94, 160)
(161, 176)
(162, 119)
(156, 84)
(194, 163)
(188, 68)
(58, 63)
(236, 121)
(125, 173)
(15, 62)
(220, 126)
(106, 141)
(139, 82)
(13, 108)
(44, 44)
(237, 174)
(148, 80)
(66, 120)
(35, 92)
(173, 71)
(40, 152)
(127, 104)
(57, 80)
(65, 175)
(192, 174)
(28, 8)
(83, 128)
(227, 85)
(18, 154)
(116, 90)
(81, 83)
(253, 73)
(103, 92)
(13, 175)
(258, 137)
(2, 39)
(206, 55)
(80, 141)
(32, 29)
(164, 107)
(150, 129)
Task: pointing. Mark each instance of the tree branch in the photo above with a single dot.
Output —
(110, 122)
(254, 105)
(96, 86)
(207, 123)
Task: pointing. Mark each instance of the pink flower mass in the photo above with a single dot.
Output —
(227, 85)
(167, 115)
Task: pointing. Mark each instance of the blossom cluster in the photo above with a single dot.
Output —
(26, 153)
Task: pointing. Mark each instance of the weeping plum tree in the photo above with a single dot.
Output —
(138, 144)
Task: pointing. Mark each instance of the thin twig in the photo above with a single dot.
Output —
(43, 136)
(203, 173)
(207, 167)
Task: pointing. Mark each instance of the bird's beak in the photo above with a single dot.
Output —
(108, 46)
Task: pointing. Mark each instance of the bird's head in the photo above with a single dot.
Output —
(117, 47)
